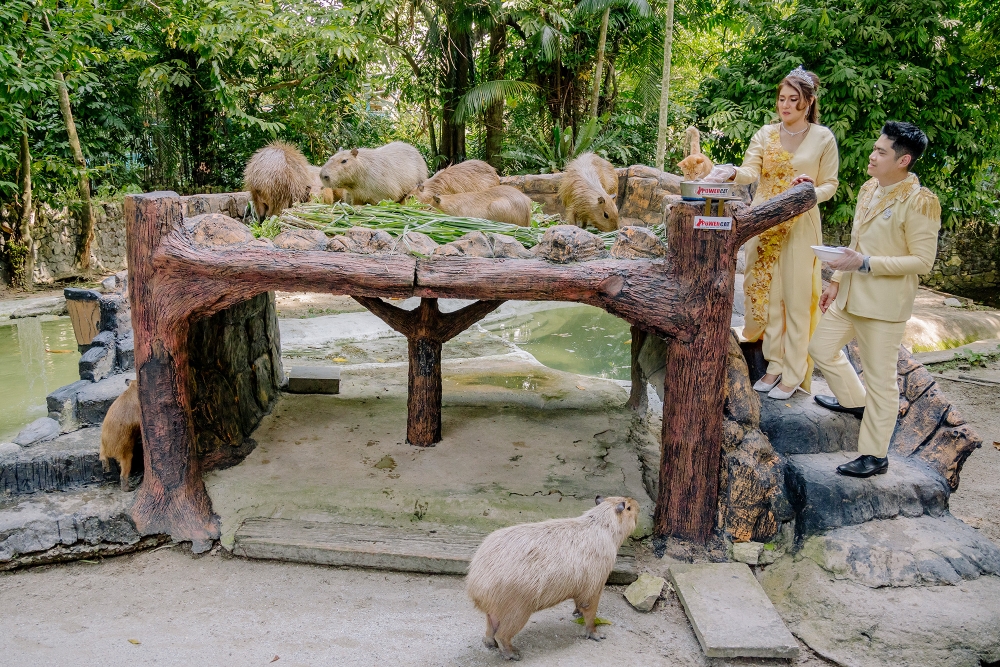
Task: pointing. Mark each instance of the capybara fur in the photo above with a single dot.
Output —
(468, 176)
(587, 191)
(324, 194)
(121, 432)
(522, 569)
(695, 166)
(277, 176)
(501, 204)
(371, 175)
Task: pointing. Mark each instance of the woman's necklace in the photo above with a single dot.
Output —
(793, 134)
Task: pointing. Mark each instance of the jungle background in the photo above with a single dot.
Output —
(101, 98)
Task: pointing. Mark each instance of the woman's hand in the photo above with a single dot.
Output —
(828, 296)
(803, 178)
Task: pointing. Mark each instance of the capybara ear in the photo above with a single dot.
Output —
(620, 508)
(128, 381)
(598, 500)
(600, 200)
(420, 188)
(354, 152)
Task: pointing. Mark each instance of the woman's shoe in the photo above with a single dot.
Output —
(781, 394)
(760, 385)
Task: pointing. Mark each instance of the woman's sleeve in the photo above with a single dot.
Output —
(749, 172)
(829, 165)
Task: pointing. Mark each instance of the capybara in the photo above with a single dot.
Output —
(325, 195)
(371, 175)
(522, 569)
(587, 190)
(696, 165)
(121, 432)
(277, 176)
(468, 176)
(501, 203)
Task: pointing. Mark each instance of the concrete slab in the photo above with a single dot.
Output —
(991, 346)
(522, 442)
(730, 613)
(313, 380)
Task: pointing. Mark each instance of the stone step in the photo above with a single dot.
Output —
(67, 462)
(799, 425)
(445, 550)
(823, 499)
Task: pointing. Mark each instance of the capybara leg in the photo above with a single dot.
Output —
(491, 628)
(510, 625)
(571, 217)
(105, 463)
(126, 465)
(589, 609)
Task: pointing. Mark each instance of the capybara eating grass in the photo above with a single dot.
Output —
(121, 432)
(277, 176)
(522, 569)
(468, 176)
(501, 204)
(588, 190)
(371, 175)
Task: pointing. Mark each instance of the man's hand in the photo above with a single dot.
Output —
(803, 178)
(828, 296)
(851, 261)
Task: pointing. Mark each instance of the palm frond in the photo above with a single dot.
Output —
(486, 94)
(598, 6)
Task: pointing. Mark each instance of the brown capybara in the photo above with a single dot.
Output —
(324, 194)
(522, 569)
(468, 176)
(371, 175)
(501, 204)
(121, 432)
(277, 176)
(588, 190)
(696, 165)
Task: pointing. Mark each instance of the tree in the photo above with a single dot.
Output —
(661, 133)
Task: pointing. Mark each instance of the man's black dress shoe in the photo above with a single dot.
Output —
(865, 466)
(831, 403)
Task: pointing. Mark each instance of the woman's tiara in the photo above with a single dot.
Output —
(801, 75)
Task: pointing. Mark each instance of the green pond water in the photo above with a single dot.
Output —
(31, 366)
(576, 339)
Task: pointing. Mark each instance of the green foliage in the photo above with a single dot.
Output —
(906, 60)
(543, 157)
(17, 254)
(266, 229)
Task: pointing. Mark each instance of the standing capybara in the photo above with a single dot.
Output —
(468, 176)
(371, 175)
(277, 176)
(501, 204)
(588, 190)
(533, 566)
(121, 432)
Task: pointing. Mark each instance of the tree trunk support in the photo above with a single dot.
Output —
(686, 299)
(426, 329)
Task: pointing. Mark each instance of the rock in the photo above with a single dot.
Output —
(314, 380)
(8, 449)
(921, 551)
(301, 239)
(473, 244)
(125, 352)
(62, 405)
(94, 400)
(645, 591)
(732, 435)
(569, 243)
(751, 500)
(97, 363)
(508, 247)
(104, 339)
(637, 243)
(52, 306)
(217, 229)
(799, 425)
(953, 302)
(742, 403)
(747, 552)
(418, 243)
(65, 462)
(40, 430)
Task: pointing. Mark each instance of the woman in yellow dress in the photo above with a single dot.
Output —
(782, 282)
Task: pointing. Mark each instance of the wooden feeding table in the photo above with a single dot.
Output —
(683, 293)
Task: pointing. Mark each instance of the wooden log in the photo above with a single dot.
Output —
(426, 329)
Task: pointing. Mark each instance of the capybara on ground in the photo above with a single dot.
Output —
(501, 203)
(468, 176)
(533, 566)
(588, 190)
(121, 432)
(277, 176)
(371, 175)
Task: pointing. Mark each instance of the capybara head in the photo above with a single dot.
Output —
(340, 170)
(623, 513)
(606, 211)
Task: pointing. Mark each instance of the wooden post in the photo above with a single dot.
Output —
(426, 329)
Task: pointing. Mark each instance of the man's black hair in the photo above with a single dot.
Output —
(907, 139)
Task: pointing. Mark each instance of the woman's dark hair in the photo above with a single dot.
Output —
(807, 94)
(907, 139)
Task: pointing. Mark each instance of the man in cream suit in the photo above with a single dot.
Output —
(871, 294)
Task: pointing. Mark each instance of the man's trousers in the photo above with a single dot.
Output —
(878, 343)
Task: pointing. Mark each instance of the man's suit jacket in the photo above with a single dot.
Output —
(900, 234)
